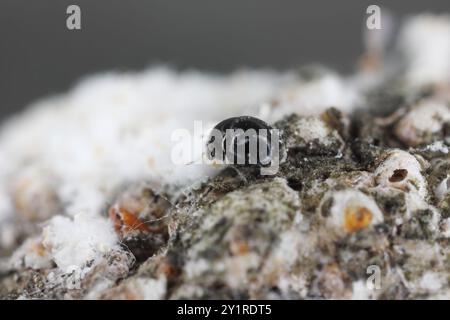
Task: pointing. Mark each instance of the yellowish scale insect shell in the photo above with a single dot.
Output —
(347, 211)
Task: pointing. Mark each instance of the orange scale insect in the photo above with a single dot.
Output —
(126, 222)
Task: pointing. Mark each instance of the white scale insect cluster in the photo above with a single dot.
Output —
(92, 207)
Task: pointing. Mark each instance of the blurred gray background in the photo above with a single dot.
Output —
(39, 56)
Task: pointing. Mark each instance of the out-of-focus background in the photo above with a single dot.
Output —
(39, 56)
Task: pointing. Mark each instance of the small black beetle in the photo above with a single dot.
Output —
(250, 138)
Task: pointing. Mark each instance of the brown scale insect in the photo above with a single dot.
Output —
(140, 220)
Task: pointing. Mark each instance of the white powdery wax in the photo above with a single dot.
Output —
(74, 242)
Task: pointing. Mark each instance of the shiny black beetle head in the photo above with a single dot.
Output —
(241, 140)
